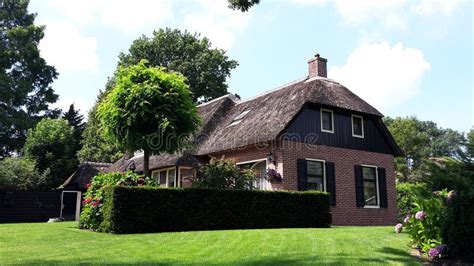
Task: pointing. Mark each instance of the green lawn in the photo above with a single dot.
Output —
(63, 243)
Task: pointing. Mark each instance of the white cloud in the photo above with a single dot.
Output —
(64, 47)
(217, 22)
(124, 15)
(392, 14)
(383, 75)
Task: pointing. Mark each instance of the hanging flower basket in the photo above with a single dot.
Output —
(273, 175)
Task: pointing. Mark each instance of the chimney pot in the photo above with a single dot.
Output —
(317, 67)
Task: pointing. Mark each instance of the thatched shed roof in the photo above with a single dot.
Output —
(83, 175)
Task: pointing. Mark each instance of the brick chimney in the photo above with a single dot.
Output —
(317, 67)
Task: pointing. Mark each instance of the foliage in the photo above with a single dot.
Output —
(149, 109)
(223, 174)
(76, 120)
(420, 140)
(51, 145)
(140, 210)
(426, 220)
(25, 78)
(242, 5)
(95, 146)
(205, 68)
(21, 174)
(91, 215)
(407, 193)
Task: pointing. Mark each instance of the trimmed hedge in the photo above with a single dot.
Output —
(146, 209)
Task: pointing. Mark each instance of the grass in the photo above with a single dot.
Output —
(63, 243)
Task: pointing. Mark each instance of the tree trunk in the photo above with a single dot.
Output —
(146, 160)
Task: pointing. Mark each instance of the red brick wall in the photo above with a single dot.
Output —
(345, 212)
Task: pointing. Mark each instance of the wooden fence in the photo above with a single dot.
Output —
(29, 206)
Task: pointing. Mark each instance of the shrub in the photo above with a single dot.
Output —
(21, 174)
(91, 215)
(407, 194)
(223, 174)
(458, 230)
(140, 210)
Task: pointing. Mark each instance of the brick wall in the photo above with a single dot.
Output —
(345, 212)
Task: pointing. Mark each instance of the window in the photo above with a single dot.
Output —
(316, 174)
(357, 126)
(371, 193)
(238, 118)
(327, 121)
(165, 177)
(259, 167)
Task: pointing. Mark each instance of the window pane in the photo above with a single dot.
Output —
(314, 168)
(171, 177)
(315, 183)
(357, 125)
(327, 120)
(369, 172)
(370, 193)
(162, 180)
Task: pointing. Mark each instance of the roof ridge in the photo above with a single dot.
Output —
(273, 90)
(228, 95)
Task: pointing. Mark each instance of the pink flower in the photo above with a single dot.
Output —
(88, 185)
(398, 228)
(420, 215)
(94, 203)
(433, 252)
(141, 181)
(86, 201)
(407, 219)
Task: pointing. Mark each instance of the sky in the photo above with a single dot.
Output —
(405, 58)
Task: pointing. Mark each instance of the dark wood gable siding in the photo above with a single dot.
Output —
(307, 125)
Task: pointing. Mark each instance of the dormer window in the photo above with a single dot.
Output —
(327, 121)
(357, 126)
(238, 118)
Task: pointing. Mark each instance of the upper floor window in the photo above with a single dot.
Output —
(357, 126)
(327, 121)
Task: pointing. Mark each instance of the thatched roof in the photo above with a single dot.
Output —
(156, 161)
(83, 175)
(268, 115)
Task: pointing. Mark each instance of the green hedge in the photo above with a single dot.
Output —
(145, 209)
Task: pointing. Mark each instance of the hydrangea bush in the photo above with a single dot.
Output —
(425, 222)
(91, 215)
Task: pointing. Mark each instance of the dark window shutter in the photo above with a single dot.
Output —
(331, 181)
(382, 187)
(359, 183)
(302, 179)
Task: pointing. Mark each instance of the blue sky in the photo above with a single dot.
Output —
(403, 57)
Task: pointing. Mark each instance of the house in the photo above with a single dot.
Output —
(315, 132)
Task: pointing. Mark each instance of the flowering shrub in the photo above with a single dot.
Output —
(425, 226)
(273, 175)
(91, 215)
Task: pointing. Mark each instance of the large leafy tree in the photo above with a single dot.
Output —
(420, 140)
(51, 145)
(76, 120)
(25, 78)
(149, 109)
(95, 146)
(242, 5)
(205, 68)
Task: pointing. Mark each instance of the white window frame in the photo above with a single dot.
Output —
(324, 170)
(376, 186)
(362, 125)
(267, 185)
(332, 120)
(176, 176)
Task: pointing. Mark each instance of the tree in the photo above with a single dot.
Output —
(205, 68)
(149, 109)
(51, 145)
(25, 78)
(223, 174)
(420, 140)
(96, 147)
(76, 120)
(21, 174)
(242, 5)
